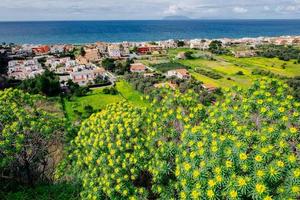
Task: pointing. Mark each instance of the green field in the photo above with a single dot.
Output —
(98, 100)
(228, 66)
(285, 68)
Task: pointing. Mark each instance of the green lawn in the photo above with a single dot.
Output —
(98, 100)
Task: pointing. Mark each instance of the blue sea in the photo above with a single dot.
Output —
(58, 32)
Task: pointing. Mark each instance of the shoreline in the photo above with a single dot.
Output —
(158, 41)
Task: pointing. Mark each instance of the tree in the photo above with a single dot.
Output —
(27, 133)
(75, 89)
(82, 51)
(46, 84)
(189, 54)
(180, 43)
(109, 64)
(216, 47)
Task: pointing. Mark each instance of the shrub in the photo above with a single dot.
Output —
(27, 132)
(240, 73)
(244, 147)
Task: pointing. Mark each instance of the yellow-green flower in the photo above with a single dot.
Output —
(243, 156)
(233, 194)
(210, 193)
(260, 188)
(258, 158)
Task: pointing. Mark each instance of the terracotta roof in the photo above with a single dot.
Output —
(183, 72)
(209, 87)
(137, 66)
(99, 69)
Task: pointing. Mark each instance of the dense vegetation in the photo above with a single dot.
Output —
(285, 53)
(207, 73)
(244, 147)
(266, 73)
(164, 67)
(120, 68)
(29, 137)
(46, 84)
(216, 47)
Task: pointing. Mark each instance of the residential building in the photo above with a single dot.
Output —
(181, 56)
(179, 73)
(199, 44)
(40, 50)
(24, 69)
(102, 47)
(57, 49)
(114, 51)
(137, 68)
(209, 87)
(85, 77)
(148, 49)
(91, 54)
(244, 54)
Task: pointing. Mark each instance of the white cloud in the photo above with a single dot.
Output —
(146, 9)
(173, 10)
(240, 10)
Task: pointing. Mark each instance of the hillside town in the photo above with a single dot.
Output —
(82, 64)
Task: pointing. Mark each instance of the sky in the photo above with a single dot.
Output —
(36, 10)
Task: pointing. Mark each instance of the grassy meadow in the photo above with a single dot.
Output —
(98, 100)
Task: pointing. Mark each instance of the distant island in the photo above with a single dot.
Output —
(176, 17)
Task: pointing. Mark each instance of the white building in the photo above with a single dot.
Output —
(86, 76)
(24, 69)
(114, 51)
(179, 73)
(57, 49)
(199, 44)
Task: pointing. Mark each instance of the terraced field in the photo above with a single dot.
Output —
(229, 67)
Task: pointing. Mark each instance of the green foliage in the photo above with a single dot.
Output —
(189, 54)
(109, 64)
(46, 84)
(282, 52)
(110, 90)
(26, 131)
(211, 74)
(267, 73)
(240, 73)
(164, 67)
(60, 191)
(244, 147)
(76, 90)
(294, 83)
(180, 43)
(216, 47)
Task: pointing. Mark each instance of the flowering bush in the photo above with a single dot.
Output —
(243, 147)
(248, 147)
(109, 152)
(25, 134)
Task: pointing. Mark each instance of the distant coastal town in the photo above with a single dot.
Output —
(83, 63)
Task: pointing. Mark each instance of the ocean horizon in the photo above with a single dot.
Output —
(89, 31)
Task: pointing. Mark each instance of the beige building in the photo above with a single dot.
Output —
(179, 73)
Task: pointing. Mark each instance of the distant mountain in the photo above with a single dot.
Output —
(176, 17)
